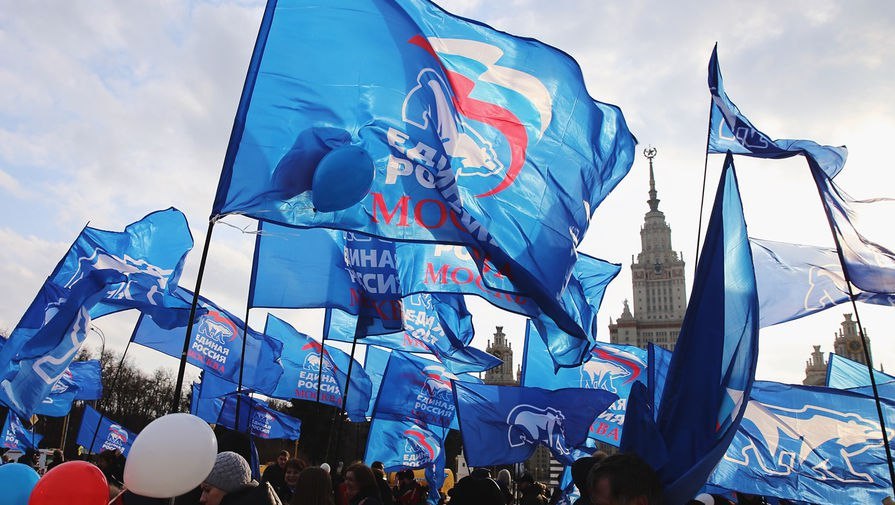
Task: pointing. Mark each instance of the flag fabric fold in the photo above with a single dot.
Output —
(81, 381)
(99, 433)
(730, 131)
(460, 123)
(712, 368)
(257, 419)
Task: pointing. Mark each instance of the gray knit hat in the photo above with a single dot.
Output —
(231, 473)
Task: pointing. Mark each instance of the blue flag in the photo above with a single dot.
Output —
(730, 131)
(813, 444)
(81, 381)
(416, 389)
(797, 280)
(713, 365)
(43, 359)
(16, 437)
(404, 444)
(99, 433)
(207, 408)
(375, 361)
(506, 423)
(610, 367)
(257, 419)
(438, 324)
(216, 345)
(843, 373)
(657, 368)
(308, 365)
(863, 232)
(459, 123)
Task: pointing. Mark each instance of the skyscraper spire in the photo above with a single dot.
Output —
(650, 153)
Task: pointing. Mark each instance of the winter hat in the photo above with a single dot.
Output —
(231, 473)
(325, 467)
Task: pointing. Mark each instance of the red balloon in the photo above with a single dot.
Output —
(72, 483)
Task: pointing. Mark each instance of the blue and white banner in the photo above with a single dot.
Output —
(454, 153)
(730, 131)
(309, 367)
(16, 437)
(417, 389)
(404, 444)
(506, 423)
(45, 356)
(843, 373)
(796, 280)
(81, 381)
(713, 365)
(257, 419)
(813, 444)
(99, 433)
(864, 234)
(610, 367)
(433, 323)
(216, 345)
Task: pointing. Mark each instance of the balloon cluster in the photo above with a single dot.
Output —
(170, 457)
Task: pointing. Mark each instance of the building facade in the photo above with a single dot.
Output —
(846, 343)
(660, 291)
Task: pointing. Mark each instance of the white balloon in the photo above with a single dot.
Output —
(171, 456)
(705, 498)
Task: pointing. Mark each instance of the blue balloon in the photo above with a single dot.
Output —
(16, 481)
(343, 178)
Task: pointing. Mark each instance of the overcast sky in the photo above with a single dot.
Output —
(110, 110)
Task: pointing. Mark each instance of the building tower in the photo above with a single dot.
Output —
(660, 291)
(501, 375)
(846, 343)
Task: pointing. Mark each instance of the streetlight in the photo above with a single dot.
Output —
(102, 337)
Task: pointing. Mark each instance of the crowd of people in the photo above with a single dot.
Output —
(620, 479)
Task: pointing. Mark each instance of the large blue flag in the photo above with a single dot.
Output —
(797, 280)
(863, 233)
(416, 389)
(405, 444)
(99, 433)
(813, 444)
(843, 373)
(713, 365)
(730, 131)
(81, 381)
(506, 423)
(43, 359)
(375, 361)
(461, 124)
(610, 367)
(257, 419)
(310, 367)
(216, 345)
(16, 437)
(438, 324)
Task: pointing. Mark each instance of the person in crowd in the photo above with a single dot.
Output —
(314, 488)
(58, 459)
(360, 485)
(504, 482)
(477, 488)
(385, 492)
(623, 479)
(580, 470)
(30, 457)
(275, 472)
(533, 492)
(230, 483)
(290, 479)
(409, 490)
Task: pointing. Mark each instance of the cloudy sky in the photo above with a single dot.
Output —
(110, 110)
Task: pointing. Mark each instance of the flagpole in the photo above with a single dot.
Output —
(705, 171)
(242, 360)
(879, 409)
(347, 386)
(175, 401)
(112, 387)
(320, 368)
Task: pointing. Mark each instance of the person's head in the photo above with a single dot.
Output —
(581, 469)
(623, 479)
(315, 487)
(230, 473)
(360, 481)
(503, 477)
(30, 456)
(324, 467)
(282, 458)
(57, 456)
(405, 477)
(292, 469)
(378, 465)
(524, 481)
